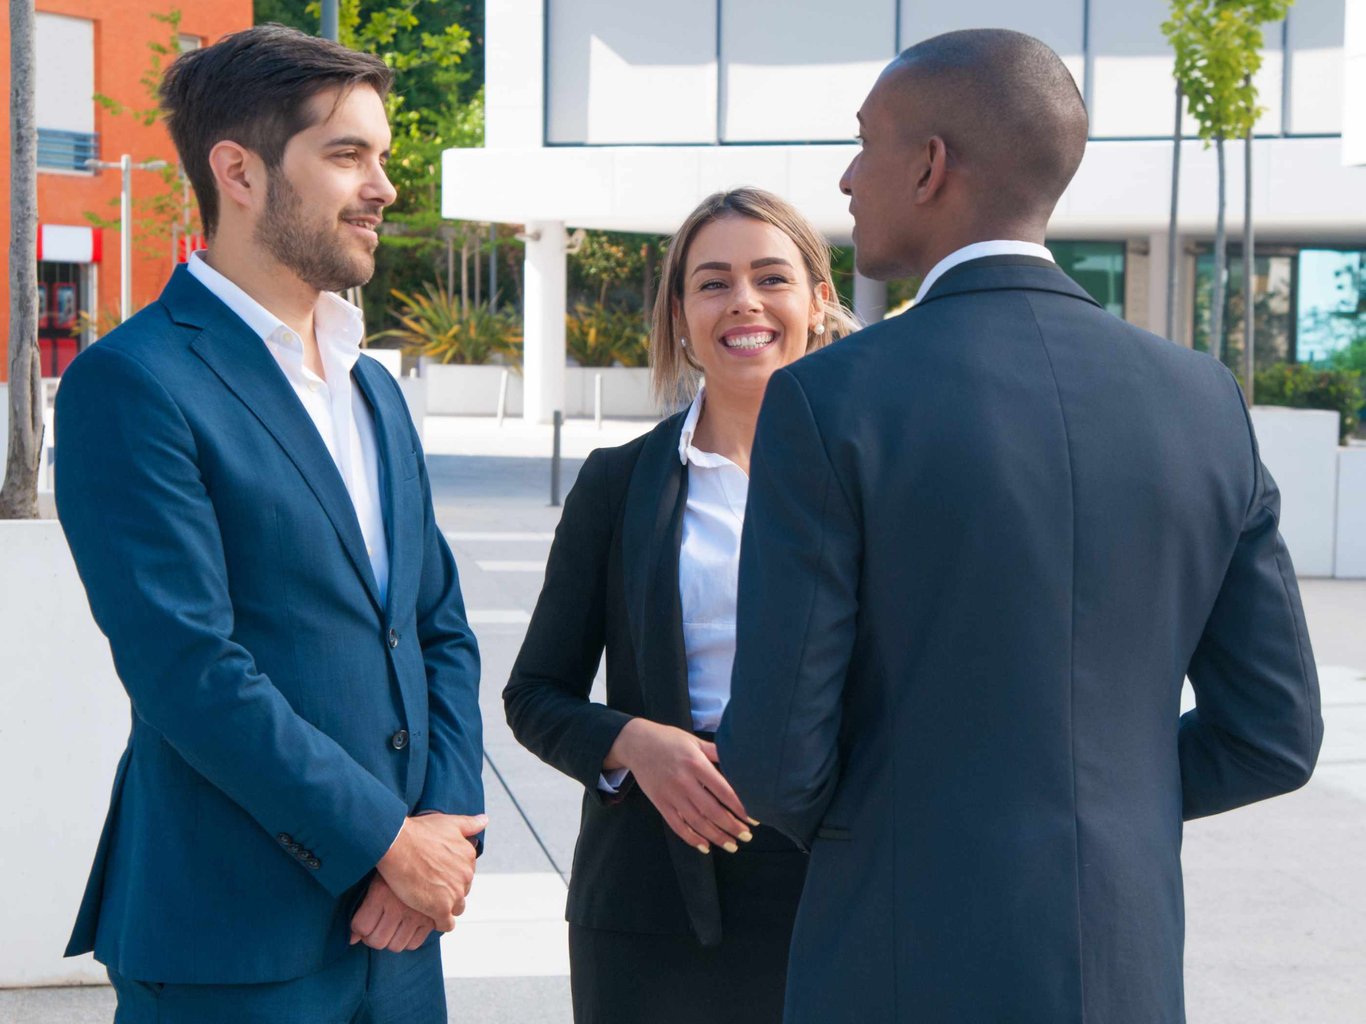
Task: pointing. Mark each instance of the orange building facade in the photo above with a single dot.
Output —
(84, 48)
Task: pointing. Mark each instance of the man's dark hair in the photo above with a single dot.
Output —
(253, 88)
(1004, 103)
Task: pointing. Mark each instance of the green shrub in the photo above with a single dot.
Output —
(435, 325)
(598, 336)
(1308, 387)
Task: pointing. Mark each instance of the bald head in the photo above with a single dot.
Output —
(1006, 107)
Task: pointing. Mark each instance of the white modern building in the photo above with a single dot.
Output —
(622, 114)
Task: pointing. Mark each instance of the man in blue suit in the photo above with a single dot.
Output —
(298, 810)
(986, 542)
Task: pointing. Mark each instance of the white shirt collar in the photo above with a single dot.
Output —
(975, 251)
(340, 326)
(686, 452)
(690, 425)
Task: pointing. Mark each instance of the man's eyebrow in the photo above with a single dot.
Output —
(349, 140)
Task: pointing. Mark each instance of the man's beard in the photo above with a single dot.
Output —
(315, 253)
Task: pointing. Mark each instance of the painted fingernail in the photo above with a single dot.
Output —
(752, 822)
(731, 848)
(703, 848)
(746, 836)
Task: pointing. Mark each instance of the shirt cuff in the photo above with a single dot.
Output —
(610, 781)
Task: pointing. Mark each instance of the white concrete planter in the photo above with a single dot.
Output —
(64, 727)
(454, 390)
(1351, 525)
(625, 391)
(1300, 448)
(473, 391)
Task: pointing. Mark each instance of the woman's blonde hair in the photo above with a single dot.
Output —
(673, 371)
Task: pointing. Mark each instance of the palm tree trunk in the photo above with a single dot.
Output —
(1172, 267)
(19, 495)
(1216, 318)
(1249, 277)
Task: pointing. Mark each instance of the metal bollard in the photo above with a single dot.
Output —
(555, 462)
(503, 396)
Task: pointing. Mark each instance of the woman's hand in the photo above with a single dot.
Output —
(677, 771)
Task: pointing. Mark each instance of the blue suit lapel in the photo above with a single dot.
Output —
(246, 367)
(394, 445)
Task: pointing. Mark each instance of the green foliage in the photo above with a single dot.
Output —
(599, 336)
(1352, 357)
(1307, 387)
(1218, 47)
(608, 261)
(438, 325)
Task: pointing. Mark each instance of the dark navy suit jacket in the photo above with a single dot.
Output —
(265, 775)
(985, 543)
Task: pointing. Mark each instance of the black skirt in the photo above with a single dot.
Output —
(633, 978)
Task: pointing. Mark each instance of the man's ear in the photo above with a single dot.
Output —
(239, 175)
(932, 172)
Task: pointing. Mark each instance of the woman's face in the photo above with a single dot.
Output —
(748, 304)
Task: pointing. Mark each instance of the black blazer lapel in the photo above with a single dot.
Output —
(652, 531)
(244, 364)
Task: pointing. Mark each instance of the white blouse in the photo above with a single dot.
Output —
(709, 571)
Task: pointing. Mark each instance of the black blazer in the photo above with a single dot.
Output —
(998, 532)
(612, 582)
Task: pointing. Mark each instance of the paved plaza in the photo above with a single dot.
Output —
(1275, 893)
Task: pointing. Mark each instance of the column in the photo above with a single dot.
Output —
(870, 298)
(543, 321)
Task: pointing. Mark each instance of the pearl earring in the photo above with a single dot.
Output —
(819, 329)
(683, 342)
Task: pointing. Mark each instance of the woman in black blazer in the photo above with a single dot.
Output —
(680, 906)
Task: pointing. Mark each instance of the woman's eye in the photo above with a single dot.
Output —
(775, 279)
(711, 285)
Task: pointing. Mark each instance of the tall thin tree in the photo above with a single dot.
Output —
(19, 495)
(1218, 50)
(1249, 275)
(1172, 256)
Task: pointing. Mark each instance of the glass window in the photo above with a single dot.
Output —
(1330, 313)
(1272, 287)
(1096, 266)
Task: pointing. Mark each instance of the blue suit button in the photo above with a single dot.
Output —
(393, 638)
(399, 740)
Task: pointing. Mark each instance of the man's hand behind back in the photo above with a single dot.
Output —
(430, 865)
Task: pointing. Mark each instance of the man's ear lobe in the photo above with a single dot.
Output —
(237, 174)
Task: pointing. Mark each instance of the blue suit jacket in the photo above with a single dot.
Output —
(985, 543)
(223, 559)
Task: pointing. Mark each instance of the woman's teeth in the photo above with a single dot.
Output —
(748, 340)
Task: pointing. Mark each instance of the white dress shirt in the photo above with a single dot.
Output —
(335, 405)
(708, 577)
(976, 251)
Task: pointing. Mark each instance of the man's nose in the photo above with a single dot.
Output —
(381, 189)
(846, 177)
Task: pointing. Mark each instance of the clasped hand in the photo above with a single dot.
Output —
(678, 772)
(421, 884)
